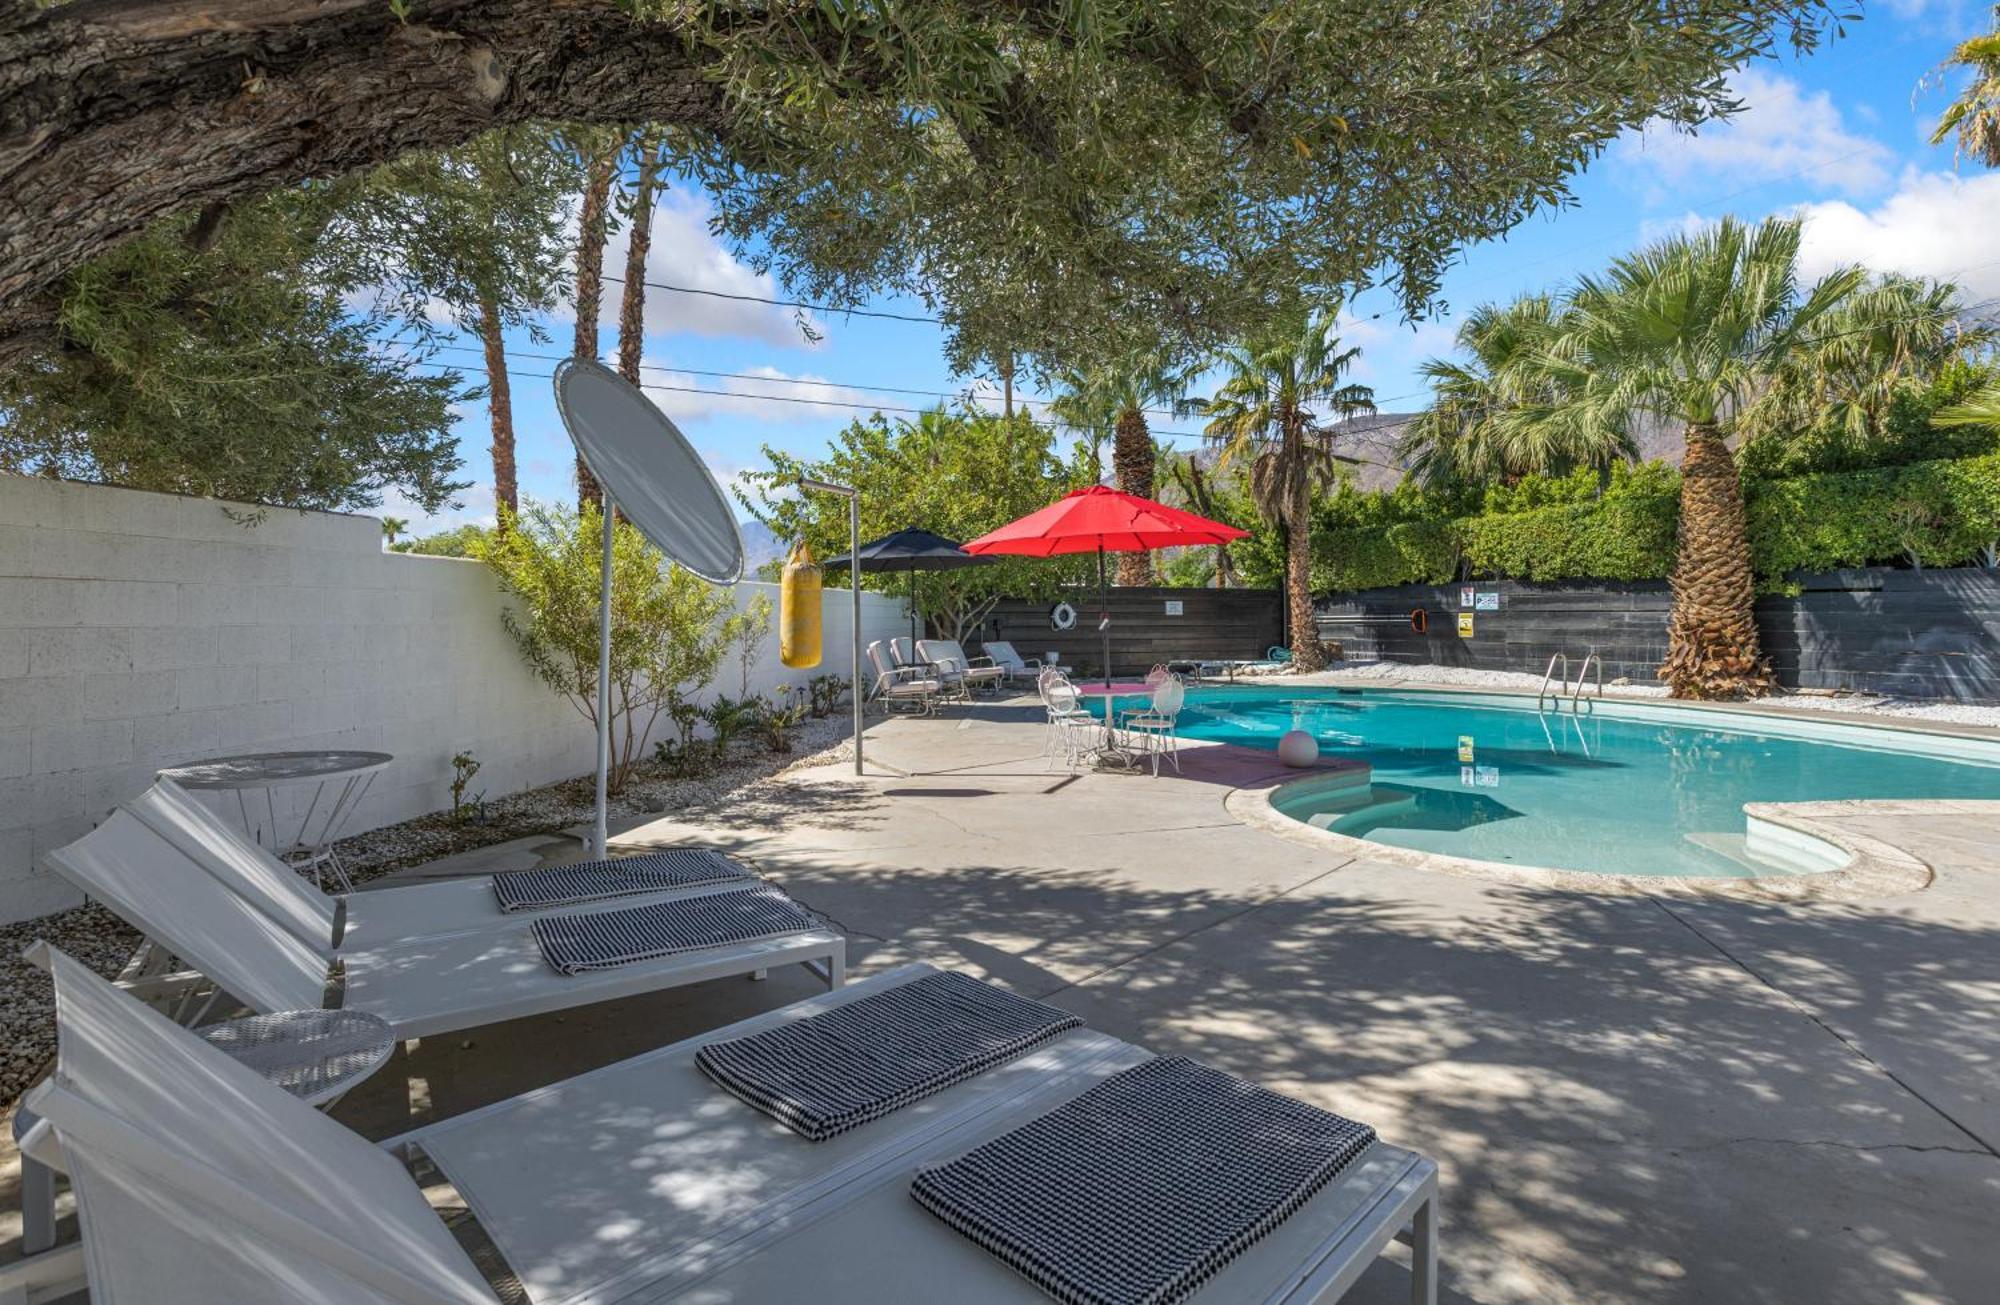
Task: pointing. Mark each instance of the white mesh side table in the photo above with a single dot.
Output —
(342, 778)
(316, 1055)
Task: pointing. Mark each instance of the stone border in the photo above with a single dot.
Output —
(1872, 868)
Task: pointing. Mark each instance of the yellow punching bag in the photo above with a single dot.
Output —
(798, 610)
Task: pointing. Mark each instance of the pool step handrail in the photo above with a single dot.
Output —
(1542, 693)
(1565, 689)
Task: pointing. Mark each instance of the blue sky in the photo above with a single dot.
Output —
(1837, 137)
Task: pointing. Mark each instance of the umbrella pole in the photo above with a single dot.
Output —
(1104, 616)
(600, 836)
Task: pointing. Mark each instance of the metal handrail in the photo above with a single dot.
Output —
(1543, 692)
(1577, 693)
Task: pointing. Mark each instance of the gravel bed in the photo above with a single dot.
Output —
(101, 940)
(1952, 713)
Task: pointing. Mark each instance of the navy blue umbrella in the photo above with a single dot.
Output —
(911, 550)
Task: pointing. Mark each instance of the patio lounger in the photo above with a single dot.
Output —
(905, 687)
(422, 986)
(173, 817)
(1017, 667)
(955, 668)
(198, 1182)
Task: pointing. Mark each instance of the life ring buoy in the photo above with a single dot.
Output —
(1062, 617)
(1420, 620)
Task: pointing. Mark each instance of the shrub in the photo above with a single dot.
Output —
(666, 624)
(1938, 513)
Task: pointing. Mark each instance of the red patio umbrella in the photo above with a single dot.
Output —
(1100, 520)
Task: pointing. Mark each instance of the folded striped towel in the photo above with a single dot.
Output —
(596, 881)
(844, 1067)
(1140, 1190)
(604, 939)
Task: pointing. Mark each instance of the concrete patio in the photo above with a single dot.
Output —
(1632, 1099)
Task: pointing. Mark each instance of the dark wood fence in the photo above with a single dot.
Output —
(1920, 634)
(1148, 626)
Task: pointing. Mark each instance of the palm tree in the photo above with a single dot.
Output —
(1268, 409)
(652, 154)
(603, 152)
(1692, 329)
(1118, 395)
(394, 528)
(1974, 117)
(1489, 418)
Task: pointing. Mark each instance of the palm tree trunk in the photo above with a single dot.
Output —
(632, 308)
(500, 407)
(1712, 646)
(1132, 459)
(1307, 655)
(591, 226)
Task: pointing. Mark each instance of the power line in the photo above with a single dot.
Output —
(780, 303)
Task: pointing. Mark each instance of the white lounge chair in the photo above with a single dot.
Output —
(950, 663)
(370, 918)
(904, 688)
(198, 1183)
(1017, 667)
(421, 986)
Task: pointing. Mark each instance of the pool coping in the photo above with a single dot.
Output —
(1873, 867)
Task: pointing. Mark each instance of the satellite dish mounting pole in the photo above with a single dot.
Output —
(600, 833)
(853, 498)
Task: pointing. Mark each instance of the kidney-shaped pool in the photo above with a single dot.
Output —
(1617, 787)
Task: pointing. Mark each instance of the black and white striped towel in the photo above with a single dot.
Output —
(596, 881)
(603, 939)
(842, 1068)
(1143, 1188)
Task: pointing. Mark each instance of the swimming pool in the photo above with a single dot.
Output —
(1626, 788)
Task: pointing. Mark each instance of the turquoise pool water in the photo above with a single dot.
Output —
(1625, 789)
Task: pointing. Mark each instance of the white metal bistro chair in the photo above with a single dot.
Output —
(199, 1183)
(369, 918)
(421, 986)
(950, 663)
(901, 688)
(1073, 729)
(1154, 728)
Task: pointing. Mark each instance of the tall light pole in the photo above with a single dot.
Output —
(853, 498)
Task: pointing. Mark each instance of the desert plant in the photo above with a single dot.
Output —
(463, 767)
(780, 714)
(684, 754)
(727, 718)
(745, 632)
(825, 693)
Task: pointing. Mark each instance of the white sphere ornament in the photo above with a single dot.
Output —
(1298, 749)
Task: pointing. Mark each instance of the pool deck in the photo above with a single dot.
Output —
(1632, 1098)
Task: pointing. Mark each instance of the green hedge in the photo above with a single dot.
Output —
(1942, 513)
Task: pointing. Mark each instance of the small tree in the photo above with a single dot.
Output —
(667, 628)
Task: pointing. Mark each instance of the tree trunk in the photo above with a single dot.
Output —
(632, 308)
(116, 113)
(500, 405)
(1132, 461)
(1712, 646)
(591, 224)
(1307, 653)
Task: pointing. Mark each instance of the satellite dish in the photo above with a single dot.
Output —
(649, 470)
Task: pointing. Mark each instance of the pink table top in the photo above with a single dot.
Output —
(1115, 689)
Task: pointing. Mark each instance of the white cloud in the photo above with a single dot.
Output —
(764, 394)
(686, 253)
(1783, 130)
(1935, 224)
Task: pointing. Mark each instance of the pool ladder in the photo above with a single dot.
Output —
(1566, 690)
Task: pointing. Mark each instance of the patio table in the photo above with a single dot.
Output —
(347, 773)
(1108, 751)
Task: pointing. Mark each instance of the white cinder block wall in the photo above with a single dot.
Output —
(144, 630)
